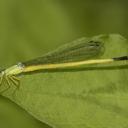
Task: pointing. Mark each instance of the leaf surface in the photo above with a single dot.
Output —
(87, 97)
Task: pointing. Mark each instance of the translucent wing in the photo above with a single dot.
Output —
(78, 50)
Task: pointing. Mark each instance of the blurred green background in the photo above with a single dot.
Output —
(29, 28)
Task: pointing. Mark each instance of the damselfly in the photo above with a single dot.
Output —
(78, 53)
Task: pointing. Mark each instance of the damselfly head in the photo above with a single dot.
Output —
(2, 74)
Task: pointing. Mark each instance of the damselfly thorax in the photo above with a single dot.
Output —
(9, 77)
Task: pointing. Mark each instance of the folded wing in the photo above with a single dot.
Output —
(78, 50)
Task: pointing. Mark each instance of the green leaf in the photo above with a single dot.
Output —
(90, 97)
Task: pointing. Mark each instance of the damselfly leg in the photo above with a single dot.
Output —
(5, 82)
(16, 82)
(8, 81)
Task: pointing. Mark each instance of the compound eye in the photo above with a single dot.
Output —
(20, 65)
